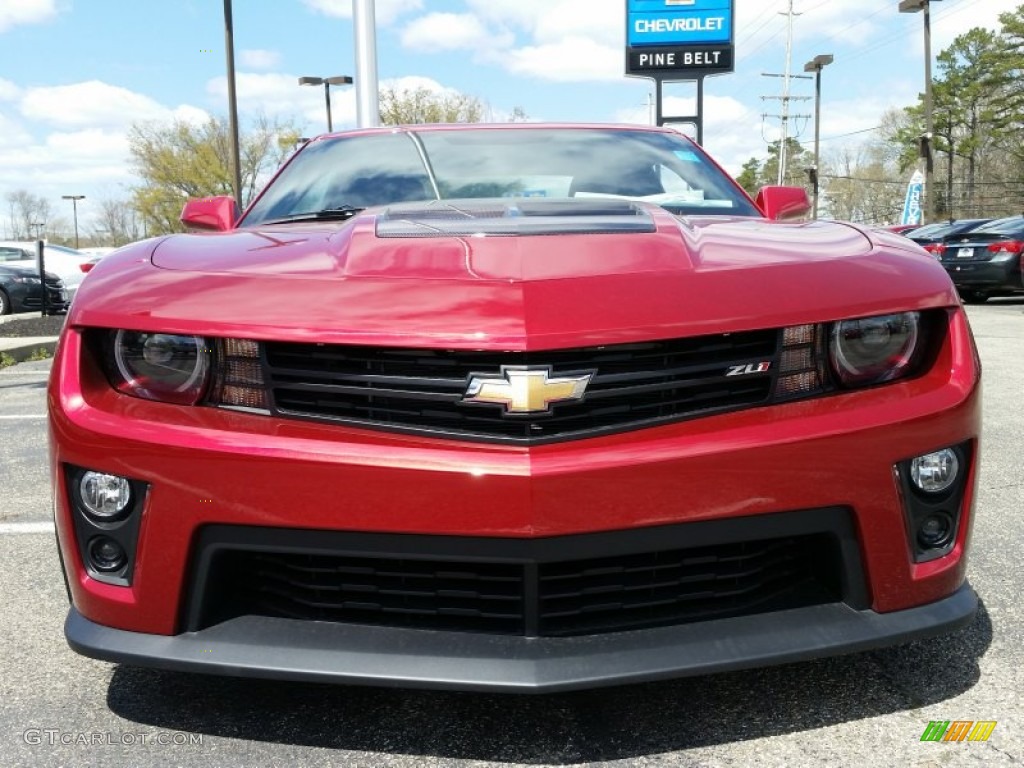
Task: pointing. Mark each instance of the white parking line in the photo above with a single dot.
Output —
(16, 528)
(18, 416)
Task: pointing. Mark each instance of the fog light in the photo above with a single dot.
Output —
(106, 555)
(935, 472)
(935, 531)
(104, 496)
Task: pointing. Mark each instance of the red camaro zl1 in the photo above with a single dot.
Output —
(518, 407)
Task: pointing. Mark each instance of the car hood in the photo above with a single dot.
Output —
(22, 270)
(543, 283)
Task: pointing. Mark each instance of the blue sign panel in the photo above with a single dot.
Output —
(678, 22)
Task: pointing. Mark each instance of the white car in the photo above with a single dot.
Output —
(63, 261)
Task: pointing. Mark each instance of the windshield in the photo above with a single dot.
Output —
(931, 230)
(359, 171)
(1011, 226)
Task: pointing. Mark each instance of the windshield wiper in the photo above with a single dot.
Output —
(338, 213)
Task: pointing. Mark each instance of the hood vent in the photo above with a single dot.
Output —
(501, 218)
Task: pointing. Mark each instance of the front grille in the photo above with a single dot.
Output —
(528, 590)
(422, 390)
(681, 586)
(54, 286)
(483, 597)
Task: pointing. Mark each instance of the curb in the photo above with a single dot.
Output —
(22, 316)
(23, 350)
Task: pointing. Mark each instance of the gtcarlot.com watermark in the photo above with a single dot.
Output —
(53, 736)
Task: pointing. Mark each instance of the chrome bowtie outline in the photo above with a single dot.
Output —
(526, 389)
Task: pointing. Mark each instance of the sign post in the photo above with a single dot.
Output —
(680, 40)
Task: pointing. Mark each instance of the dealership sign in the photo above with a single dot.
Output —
(679, 39)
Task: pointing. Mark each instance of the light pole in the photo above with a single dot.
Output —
(815, 65)
(236, 155)
(74, 204)
(913, 6)
(327, 82)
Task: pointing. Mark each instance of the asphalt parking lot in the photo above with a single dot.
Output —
(58, 708)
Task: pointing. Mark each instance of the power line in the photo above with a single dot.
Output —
(851, 133)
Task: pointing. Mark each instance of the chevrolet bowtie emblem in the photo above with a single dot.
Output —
(525, 389)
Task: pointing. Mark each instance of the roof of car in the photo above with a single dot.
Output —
(424, 127)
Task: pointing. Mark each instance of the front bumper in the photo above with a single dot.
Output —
(321, 652)
(207, 467)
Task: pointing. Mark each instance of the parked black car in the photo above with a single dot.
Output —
(20, 291)
(932, 236)
(987, 261)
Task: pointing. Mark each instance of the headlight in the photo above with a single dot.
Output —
(161, 366)
(874, 349)
(26, 280)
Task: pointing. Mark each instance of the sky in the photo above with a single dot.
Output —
(76, 74)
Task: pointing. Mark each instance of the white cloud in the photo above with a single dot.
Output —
(257, 58)
(89, 149)
(520, 13)
(450, 31)
(602, 22)
(92, 103)
(950, 23)
(88, 146)
(191, 115)
(8, 90)
(12, 134)
(15, 12)
(385, 11)
(557, 40)
(280, 95)
(64, 163)
(573, 59)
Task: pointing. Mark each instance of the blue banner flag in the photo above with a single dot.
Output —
(912, 205)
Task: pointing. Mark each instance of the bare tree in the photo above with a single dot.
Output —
(117, 223)
(28, 215)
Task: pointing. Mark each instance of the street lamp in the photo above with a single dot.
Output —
(74, 204)
(815, 65)
(327, 82)
(236, 155)
(913, 6)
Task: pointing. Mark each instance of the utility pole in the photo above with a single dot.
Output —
(785, 94)
(785, 98)
(913, 6)
(652, 118)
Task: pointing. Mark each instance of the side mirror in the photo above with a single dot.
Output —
(218, 214)
(780, 203)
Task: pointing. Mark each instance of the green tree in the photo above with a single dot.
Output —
(422, 105)
(750, 177)
(761, 173)
(967, 116)
(1008, 83)
(179, 161)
